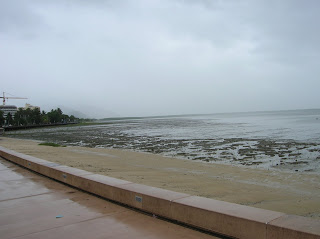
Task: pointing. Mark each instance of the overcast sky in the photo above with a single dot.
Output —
(161, 57)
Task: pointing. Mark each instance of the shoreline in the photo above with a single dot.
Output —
(292, 193)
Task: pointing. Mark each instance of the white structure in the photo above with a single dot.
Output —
(31, 107)
(12, 109)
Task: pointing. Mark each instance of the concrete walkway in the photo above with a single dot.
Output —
(33, 206)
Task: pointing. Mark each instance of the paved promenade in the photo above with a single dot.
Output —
(33, 206)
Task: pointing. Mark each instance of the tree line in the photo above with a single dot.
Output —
(25, 117)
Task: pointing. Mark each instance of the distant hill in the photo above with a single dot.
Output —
(74, 112)
(88, 112)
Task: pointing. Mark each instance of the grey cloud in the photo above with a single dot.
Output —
(17, 15)
(161, 57)
(288, 30)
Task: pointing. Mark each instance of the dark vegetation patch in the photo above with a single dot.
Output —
(51, 144)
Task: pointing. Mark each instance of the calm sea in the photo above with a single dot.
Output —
(278, 140)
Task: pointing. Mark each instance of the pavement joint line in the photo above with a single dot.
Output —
(18, 179)
(56, 227)
(25, 197)
(6, 169)
(67, 225)
(180, 198)
(267, 223)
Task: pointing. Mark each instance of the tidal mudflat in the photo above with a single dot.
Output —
(285, 141)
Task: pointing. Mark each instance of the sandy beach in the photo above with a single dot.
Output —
(289, 192)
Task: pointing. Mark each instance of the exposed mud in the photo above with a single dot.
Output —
(255, 152)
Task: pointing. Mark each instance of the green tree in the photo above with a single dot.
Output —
(44, 118)
(2, 119)
(59, 111)
(9, 119)
(36, 116)
(55, 116)
(72, 118)
(20, 118)
(28, 116)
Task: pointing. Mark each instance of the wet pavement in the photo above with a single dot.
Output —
(33, 206)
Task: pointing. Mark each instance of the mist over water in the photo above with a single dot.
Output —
(269, 125)
(280, 140)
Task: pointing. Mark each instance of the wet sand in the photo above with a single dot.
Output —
(289, 192)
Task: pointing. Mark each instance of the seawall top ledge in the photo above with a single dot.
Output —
(106, 180)
(153, 192)
(292, 226)
(232, 209)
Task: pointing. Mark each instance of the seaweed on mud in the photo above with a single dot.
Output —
(314, 150)
(298, 162)
(294, 154)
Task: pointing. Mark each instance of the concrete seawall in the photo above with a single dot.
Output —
(217, 216)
